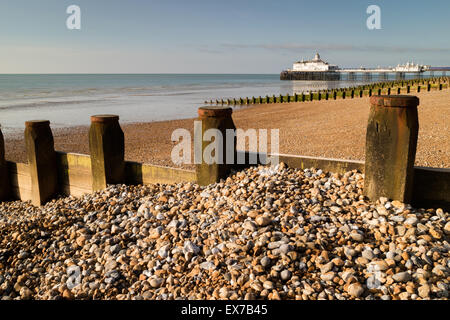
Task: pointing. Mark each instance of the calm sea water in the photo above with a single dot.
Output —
(70, 100)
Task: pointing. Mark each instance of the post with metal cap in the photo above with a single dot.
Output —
(107, 148)
(41, 161)
(213, 157)
(391, 142)
(5, 187)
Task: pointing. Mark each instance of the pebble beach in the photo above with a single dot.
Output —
(264, 233)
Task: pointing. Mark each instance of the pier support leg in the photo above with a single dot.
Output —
(214, 165)
(391, 143)
(41, 160)
(5, 187)
(107, 147)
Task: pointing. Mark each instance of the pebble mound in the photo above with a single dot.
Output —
(264, 233)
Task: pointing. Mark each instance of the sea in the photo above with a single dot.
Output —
(70, 99)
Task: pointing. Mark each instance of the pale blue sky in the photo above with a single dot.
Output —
(232, 36)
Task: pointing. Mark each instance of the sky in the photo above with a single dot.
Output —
(228, 36)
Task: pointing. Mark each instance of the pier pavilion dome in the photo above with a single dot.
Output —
(316, 64)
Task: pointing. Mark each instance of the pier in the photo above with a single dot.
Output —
(318, 69)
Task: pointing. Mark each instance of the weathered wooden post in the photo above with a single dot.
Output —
(295, 97)
(319, 95)
(213, 168)
(343, 94)
(311, 96)
(107, 148)
(391, 142)
(334, 95)
(281, 98)
(41, 161)
(326, 95)
(5, 186)
(361, 93)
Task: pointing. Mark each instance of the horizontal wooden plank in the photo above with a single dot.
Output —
(21, 194)
(74, 190)
(327, 164)
(81, 162)
(75, 178)
(20, 180)
(138, 173)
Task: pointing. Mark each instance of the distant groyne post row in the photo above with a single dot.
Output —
(378, 88)
(389, 165)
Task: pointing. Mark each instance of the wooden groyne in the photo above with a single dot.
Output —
(389, 164)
